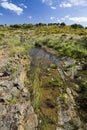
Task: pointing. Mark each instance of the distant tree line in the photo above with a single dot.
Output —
(25, 26)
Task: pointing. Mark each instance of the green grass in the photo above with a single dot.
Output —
(36, 90)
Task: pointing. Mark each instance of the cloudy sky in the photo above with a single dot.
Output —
(46, 11)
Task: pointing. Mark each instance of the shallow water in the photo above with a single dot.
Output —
(55, 110)
(48, 109)
(41, 56)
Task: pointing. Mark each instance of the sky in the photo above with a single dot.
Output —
(44, 11)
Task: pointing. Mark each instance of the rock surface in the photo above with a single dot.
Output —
(16, 112)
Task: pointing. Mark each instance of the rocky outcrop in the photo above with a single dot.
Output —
(16, 111)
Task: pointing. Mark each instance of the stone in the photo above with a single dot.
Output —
(6, 84)
(1, 74)
(26, 96)
(6, 73)
(4, 128)
(20, 127)
(2, 110)
(59, 128)
(31, 123)
(68, 91)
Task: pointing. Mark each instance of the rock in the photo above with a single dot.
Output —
(58, 128)
(1, 74)
(6, 84)
(77, 122)
(26, 95)
(4, 128)
(25, 90)
(68, 91)
(15, 105)
(2, 110)
(20, 127)
(31, 123)
(6, 73)
(14, 92)
(21, 108)
(18, 84)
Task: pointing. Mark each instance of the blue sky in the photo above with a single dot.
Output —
(45, 11)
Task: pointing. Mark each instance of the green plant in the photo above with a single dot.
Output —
(36, 90)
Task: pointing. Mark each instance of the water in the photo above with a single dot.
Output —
(55, 110)
(48, 91)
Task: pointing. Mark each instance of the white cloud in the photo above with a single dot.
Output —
(52, 18)
(12, 7)
(1, 14)
(65, 5)
(69, 18)
(78, 19)
(49, 2)
(30, 17)
(71, 3)
(74, 19)
(55, 19)
(23, 5)
(4, 0)
(59, 21)
(53, 7)
(52, 3)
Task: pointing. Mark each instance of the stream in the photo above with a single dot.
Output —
(52, 93)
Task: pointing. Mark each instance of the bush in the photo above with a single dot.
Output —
(76, 26)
